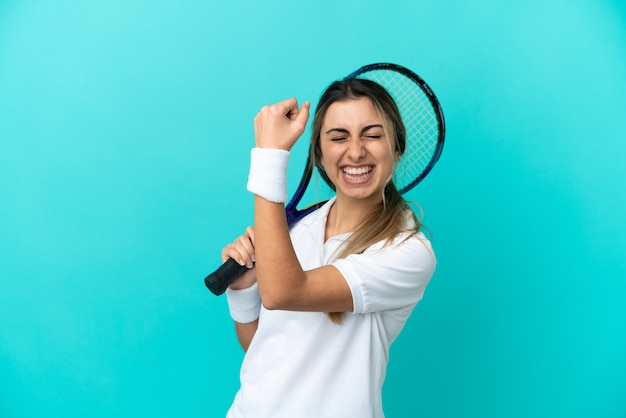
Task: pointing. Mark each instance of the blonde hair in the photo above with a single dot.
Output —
(393, 216)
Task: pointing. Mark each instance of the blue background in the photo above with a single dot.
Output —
(124, 136)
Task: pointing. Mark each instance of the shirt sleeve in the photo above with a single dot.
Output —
(389, 277)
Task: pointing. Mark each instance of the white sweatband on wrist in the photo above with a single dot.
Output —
(245, 304)
(268, 174)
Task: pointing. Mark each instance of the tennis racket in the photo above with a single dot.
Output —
(425, 133)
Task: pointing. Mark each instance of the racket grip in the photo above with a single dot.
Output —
(220, 279)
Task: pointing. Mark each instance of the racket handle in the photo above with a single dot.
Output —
(220, 279)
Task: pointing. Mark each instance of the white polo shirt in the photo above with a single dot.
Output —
(301, 365)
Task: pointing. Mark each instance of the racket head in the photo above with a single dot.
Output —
(422, 116)
(425, 132)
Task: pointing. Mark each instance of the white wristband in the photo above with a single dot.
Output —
(268, 174)
(245, 304)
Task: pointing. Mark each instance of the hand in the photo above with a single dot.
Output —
(281, 124)
(242, 251)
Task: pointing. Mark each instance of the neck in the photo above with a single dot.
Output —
(346, 215)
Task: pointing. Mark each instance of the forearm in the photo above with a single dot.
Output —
(279, 272)
(245, 332)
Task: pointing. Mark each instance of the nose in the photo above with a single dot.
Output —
(356, 150)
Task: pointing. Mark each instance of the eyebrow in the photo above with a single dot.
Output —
(365, 129)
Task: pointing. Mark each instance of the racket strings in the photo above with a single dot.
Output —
(420, 120)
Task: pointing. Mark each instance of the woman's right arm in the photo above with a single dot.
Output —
(242, 251)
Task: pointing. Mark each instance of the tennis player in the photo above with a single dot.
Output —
(320, 304)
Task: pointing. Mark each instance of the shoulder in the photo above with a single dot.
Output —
(389, 275)
(403, 245)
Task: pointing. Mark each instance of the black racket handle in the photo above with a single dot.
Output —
(220, 279)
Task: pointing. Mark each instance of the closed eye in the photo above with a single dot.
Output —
(372, 132)
(338, 134)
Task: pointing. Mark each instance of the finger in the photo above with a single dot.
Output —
(230, 251)
(241, 250)
(250, 233)
(303, 115)
(238, 254)
(245, 246)
(289, 108)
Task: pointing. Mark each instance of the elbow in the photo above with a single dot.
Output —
(280, 290)
(276, 297)
(271, 305)
(273, 301)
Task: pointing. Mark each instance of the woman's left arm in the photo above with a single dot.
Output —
(283, 284)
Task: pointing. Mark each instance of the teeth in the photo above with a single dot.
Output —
(355, 171)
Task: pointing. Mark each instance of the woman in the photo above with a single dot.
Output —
(338, 287)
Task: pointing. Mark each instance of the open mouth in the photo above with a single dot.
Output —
(357, 174)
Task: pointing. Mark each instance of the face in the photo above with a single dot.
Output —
(356, 152)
